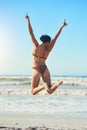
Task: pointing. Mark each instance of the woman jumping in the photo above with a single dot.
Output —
(40, 54)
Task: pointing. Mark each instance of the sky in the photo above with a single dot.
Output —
(69, 55)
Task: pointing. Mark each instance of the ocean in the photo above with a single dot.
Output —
(68, 101)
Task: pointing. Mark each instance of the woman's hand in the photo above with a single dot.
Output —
(64, 23)
(27, 17)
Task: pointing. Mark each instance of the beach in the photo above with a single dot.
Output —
(65, 109)
(29, 122)
(43, 45)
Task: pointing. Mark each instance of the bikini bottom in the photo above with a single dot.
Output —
(40, 69)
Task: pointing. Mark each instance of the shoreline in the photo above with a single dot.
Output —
(44, 122)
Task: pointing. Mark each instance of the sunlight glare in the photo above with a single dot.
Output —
(3, 47)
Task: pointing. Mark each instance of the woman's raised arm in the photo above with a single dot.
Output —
(57, 35)
(31, 31)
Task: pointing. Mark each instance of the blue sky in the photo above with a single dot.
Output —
(69, 55)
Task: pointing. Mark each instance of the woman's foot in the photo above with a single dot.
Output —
(58, 83)
(54, 87)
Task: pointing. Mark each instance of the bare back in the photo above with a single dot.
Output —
(40, 54)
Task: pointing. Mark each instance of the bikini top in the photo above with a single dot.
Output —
(39, 56)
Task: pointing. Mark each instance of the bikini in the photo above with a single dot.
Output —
(41, 69)
(39, 56)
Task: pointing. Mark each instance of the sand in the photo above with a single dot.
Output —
(45, 122)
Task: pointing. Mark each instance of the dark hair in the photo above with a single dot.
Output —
(45, 38)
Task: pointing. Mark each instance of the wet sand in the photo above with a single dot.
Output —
(29, 122)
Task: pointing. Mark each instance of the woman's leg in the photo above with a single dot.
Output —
(50, 88)
(35, 82)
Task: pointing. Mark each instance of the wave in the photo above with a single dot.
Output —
(74, 81)
(26, 80)
(15, 80)
(27, 91)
